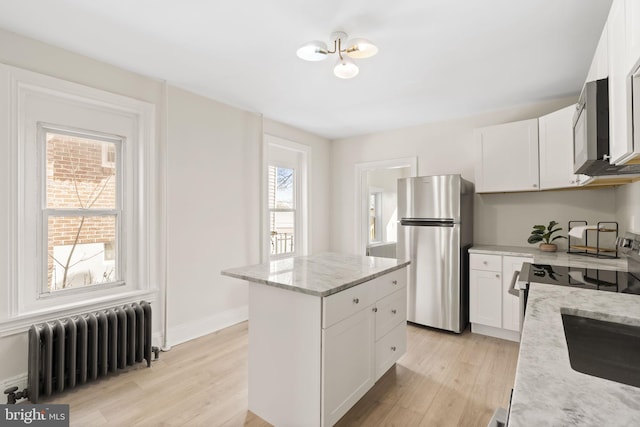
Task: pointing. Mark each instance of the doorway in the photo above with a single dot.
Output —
(376, 204)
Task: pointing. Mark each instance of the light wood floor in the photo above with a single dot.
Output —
(443, 380)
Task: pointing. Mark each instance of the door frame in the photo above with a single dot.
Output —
(361, 212)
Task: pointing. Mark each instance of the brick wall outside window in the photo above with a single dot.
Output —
(78, 178)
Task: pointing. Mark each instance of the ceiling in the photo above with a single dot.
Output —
(438, 59)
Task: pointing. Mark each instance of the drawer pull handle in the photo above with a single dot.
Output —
(356, 300)
(395, 282)
(485, 262)
(375, 309)
(394, 311)
(393, 348)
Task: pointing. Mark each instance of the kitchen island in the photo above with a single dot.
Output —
(547, 391)
(322, 330)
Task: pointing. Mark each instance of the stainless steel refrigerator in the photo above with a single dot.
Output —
(435, 231)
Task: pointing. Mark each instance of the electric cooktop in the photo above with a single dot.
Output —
(586, 278)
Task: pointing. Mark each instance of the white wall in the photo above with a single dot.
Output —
(213, 205)
(446, 148)
(628, 207)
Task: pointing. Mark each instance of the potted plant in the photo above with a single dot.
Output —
(544, 234)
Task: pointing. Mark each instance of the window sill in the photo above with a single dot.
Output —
(22, 323)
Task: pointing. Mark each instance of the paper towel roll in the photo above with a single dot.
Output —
(578, 232)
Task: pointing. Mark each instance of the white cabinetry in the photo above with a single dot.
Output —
(600, 64)
(485, 296)
(364, 334)
(492, 309)
(632, 10)
(312, 358)
(556, 150)
(511, 303)
(507, 157)
(348, 363)
(620, 142)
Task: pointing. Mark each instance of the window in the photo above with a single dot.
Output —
(82, 209)
(83, 197)
(286, 214)
(282, 210)
(375, 217)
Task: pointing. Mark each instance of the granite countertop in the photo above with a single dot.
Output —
(554, 258)
(547, 391)
(320, 275)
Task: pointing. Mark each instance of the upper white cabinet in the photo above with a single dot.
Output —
(632, 29)
(507, 157)
(620, 142)
(600, 64)
(623, 33)
(556, 150)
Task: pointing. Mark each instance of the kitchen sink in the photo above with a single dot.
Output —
(603, 349)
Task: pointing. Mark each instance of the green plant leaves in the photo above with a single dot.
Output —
(541, 233)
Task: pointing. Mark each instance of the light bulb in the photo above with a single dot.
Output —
(361, 48)
(313, 51)
(345, 68)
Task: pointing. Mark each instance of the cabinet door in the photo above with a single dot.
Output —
(507, 157)
(511, 303)
(390, 348)
(347, 364)
(620, 142)
(600, 64)
(485, 298)
(556, 149)
(632, 12)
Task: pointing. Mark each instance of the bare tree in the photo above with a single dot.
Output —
(92, 199)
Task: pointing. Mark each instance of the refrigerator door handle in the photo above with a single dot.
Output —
(427, 222)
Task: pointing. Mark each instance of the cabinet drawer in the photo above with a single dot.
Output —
(390, 348)
(390, 283)
(485, 262)
(390, 311)
(345, 303)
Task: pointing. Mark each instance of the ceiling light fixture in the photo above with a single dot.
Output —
(345, 68)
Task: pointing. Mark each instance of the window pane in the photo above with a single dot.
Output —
(281, 188)
(81, 172)
(282, 227)
(81, 251)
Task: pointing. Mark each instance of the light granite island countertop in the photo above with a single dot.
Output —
(547, 391)
(320, 275)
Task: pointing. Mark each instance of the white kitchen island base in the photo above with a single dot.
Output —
(314, 353)
(284, 356)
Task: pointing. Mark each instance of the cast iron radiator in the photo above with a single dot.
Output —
(71, 351)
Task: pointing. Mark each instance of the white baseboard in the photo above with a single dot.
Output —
(504, 334)
(188, 331)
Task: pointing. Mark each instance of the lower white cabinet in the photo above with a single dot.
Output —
(485, 298)
(312, 358)
(347, 363)
(365, 343)
(492, 309)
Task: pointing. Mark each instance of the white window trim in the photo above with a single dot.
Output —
(16, 313)
(303, 174)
